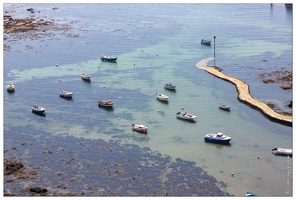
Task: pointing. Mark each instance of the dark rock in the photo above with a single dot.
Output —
(38, 190)
(290, 104)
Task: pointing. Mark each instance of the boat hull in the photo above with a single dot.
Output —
(282, 152)
(68, 95)
(206, 42)
(217, 141)
(217, 138)
(108, 58)
(162, 97)
(105, 103)
(139, 128)
(10, 88)
(85, 77)
(169, 86)
(185, 116)
(38, 110)
(224, 107)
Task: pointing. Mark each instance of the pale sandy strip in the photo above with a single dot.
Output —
(243, 92)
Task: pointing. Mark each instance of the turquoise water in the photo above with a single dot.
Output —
(157, 44)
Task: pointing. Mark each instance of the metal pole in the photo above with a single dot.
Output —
(214, 50)
(214, 46)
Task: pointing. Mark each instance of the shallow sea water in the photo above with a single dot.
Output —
(153, 50)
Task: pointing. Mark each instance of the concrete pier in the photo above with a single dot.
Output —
(244, 94)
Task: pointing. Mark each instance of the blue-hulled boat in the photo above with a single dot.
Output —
(217, 138)
(251, 194)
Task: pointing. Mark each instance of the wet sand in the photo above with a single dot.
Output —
(244, 94)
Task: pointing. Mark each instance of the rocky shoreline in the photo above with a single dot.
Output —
(69, 166)
(15, 29)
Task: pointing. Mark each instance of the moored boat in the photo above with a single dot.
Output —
(139, 128)
(224, 107)
(206, 42)
(38, 110)
(108, 58)
(162, 97)
(169, 86)
(10, 88)
(85, 77)
(251, 194)
(282, 151)
(185, 115)
(105, 103)
(66, 94)
(217, 138)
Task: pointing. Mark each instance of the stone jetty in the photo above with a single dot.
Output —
(244, 94)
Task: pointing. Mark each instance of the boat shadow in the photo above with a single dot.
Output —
(11, 92)
(173, 91)
(218, 145)
(39, 114)
(206, 45)
(225, 110)
(186, 120)
(87, 81)
(163, 102)
(67, 98)
(279, 155)
(109, 109)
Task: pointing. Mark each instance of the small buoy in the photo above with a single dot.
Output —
(258, 157)
(158, 110)
(118, 118)
(99, 66)
(232, 174)
(56, 65)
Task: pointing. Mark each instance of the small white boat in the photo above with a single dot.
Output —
(282, 151)
(162, 97)
(38, 110)
(10, 88)
(206, 42)
(66, 94)
(85, 77)
(108, 58)
(217, 138)
(106, 103)
(224, 107)
(140, 128)
(185, 115)
(169, 86)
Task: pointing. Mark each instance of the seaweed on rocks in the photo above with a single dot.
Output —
(85, 167)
